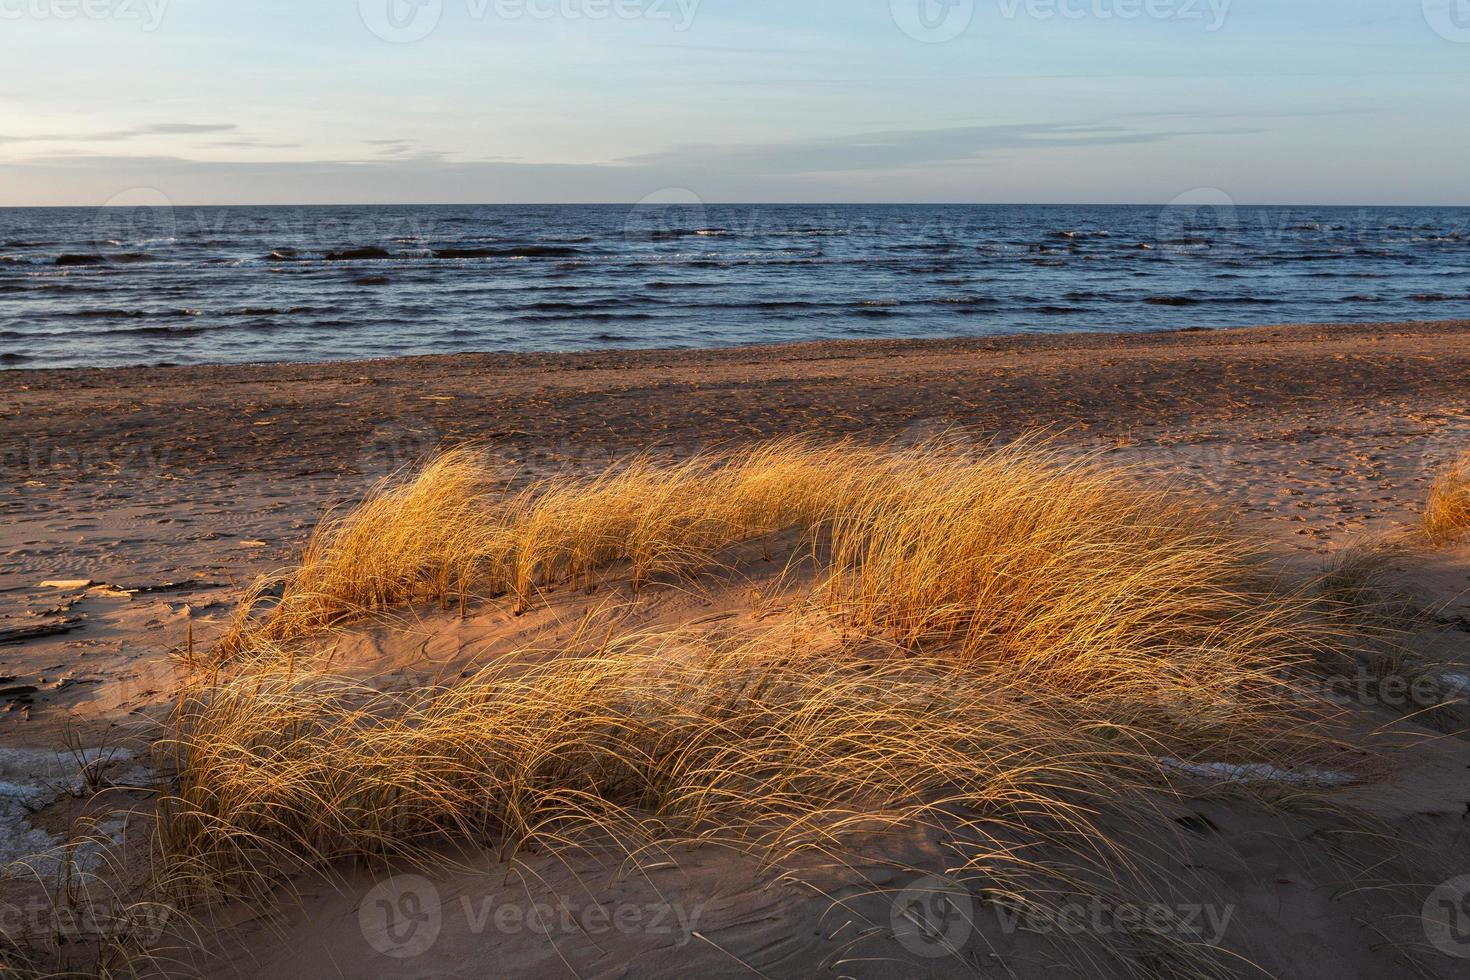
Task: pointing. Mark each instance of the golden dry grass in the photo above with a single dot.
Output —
(649, 740)
(1447, 514)
(1007, 640)
(983, 628)
(1006, 643)
(1017, 548)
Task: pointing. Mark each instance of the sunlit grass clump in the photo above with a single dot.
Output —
(1000, 634)
(649, 740)
(1014, 553)
(1447, 514)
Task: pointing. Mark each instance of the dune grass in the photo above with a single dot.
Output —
(1008, 639)
(1059, 581)
(1019, 548)
(647, 740)
(1447, 513)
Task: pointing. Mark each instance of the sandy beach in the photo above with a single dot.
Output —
(150, 497)
(152, 475)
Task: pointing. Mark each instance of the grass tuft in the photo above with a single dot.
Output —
(1447, 514)
(1015, 619)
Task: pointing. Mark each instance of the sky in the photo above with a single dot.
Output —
(480, 101)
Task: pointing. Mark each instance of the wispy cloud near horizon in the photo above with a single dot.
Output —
(121, 135)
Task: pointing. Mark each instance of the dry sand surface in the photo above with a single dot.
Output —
(149, 497)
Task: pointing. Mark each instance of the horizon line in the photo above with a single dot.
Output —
(681, 204)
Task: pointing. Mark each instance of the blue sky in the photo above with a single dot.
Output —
(358, 101)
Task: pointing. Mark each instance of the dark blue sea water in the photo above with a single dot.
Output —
(198, 285)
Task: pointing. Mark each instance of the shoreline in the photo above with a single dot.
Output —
(1014, 340)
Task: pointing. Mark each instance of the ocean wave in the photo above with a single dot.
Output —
(965, 301)
(77, 259)
(115, 314)
(158, 331)
(674, 234)
(509, 252)
(559, 317)
(1209, 300)
(357, 253)
(566, 306)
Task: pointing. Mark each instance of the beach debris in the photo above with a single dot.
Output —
(106, 590)
(112, 592)
(10, 635)
(1257, 772)
(190, 586)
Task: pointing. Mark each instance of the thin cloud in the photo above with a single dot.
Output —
(901, 148)
(119, 135)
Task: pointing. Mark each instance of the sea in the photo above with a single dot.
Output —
(89, 287)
